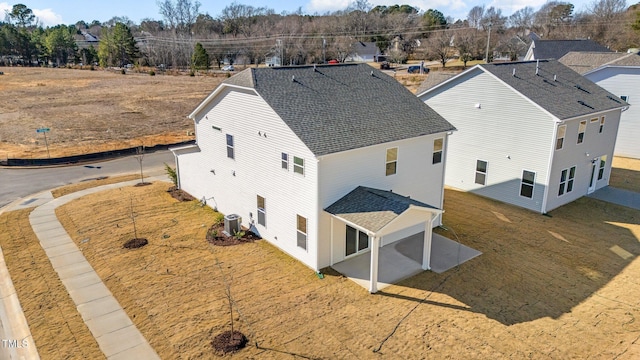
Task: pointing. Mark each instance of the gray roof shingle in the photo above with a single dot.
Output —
(555, 49)
(556, 88)
(583, 62)
(372, 208)
(335, 108)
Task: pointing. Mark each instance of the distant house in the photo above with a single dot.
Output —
(312, 160)
(534, 134)
(555, 49)
(363, 52)
(619, 73)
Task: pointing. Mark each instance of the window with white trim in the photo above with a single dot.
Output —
(298, 165)
(481, 172)
(391, 165)
(566, 180)
(581, 130)
(285, 161)
(262, 212)
(601, 125)
(437, 150)
(230, 149)
(355, 241)
(527, 183)
(562, 130)
(603, 163)
(302, 231)
(624, 97)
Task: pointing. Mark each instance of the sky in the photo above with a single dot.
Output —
(54, 12)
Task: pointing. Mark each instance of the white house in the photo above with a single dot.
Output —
(324, 162)
(534, 134)
(363, 52)
(618, 73)
(555, 49)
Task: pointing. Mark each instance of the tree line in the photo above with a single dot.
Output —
(185, 37)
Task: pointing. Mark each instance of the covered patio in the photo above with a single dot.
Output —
(372, 218)
(403, 259)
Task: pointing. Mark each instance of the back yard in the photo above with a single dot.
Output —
(564, 286)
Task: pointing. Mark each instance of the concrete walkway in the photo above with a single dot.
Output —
(618, 196)
(115, 333)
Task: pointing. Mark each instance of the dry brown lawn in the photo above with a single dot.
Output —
(90, 111)
(625, 174)
(563, 286)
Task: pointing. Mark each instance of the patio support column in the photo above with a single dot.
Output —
(426, 248)
(375, 249)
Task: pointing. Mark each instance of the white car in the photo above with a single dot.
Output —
(228, 68)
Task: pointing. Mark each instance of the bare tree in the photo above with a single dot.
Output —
(475, 16)
(607, 9)
(439, 46)
(522, 19)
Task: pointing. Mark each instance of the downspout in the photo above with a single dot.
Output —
(444, 171)
(552, 155)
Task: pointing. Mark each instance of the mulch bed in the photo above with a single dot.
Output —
(216, 236)
(135, 243)
(227, 342)
(180, 195)
(142, 184)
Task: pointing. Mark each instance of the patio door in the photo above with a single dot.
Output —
(355, 241)
(592, 180)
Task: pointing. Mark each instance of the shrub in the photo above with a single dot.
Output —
(171, 173)
(123, 72)
(192, 73)
(219, 219)
(152, 73)
(239, 234)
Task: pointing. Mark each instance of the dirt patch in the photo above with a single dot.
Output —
(216, 236)
(228, 342)
(180, 194)
(135, 243)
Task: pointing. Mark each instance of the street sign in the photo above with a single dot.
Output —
(42, 130)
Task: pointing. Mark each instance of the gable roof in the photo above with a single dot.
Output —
(371, 208)
(584, 62)
(434, 78)
(365, 48)
(335, 108)
(555, 49)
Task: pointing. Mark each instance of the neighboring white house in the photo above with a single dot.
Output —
(315, 162)
(618, 73)
(555, 49)
(363, 52)
(534, 134)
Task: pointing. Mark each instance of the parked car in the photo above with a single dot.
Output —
(334, 61)
(384, 65)
(415, 69)
(228, 68)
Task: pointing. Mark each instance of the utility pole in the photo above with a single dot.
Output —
(324, 54)
(488, 41)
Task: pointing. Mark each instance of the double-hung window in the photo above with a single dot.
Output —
(566, 180)
(391, 165)
(527, 183)
(230, 149)
(562, 130)
(603, 163)
(601, 129)
(302, 231)
(437, 150)
(581, 130)
(262, 212)
(481, 172)
(285, 161)
(298, 165)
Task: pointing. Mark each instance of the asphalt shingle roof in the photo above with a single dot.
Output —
(582, 62)
(335, 108)
(372, 208)
(555, 49)
(556, 88)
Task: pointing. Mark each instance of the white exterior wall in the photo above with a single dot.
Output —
(258, 171)
(508, 131)
(623, 81)
(594, 145)
(340, 173)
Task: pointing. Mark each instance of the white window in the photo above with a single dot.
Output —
(481, 172)
(230, 153)
(581, 129)
(601, 125)
(262, 213)
(356, 241)
(527, 183)
(603, 163)
(562, 130)
(437, 150)
(566, 180)
(298, 165)
(391, 165)
(302, 231)
(285, 161)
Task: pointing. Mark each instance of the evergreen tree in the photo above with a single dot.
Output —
(200, 58)
(117, 46)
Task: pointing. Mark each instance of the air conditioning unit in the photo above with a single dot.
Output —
(232, 224)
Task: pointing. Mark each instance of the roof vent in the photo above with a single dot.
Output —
(583, 89)
(613, 99)
(555, 77)
(293, 78)
(371, 72)
(514, 72)
(314, 67)
(585, 104)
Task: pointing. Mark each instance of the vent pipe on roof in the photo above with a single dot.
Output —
(314, 67)
(514, 72)
(555, 77)
(293, 78)
(537, 64)
(371, 72)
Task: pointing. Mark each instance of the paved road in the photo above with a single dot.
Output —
(16, 183)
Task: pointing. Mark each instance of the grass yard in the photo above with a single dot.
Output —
(563, 286)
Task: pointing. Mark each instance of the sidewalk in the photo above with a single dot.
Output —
(618, 196)
(115, 333)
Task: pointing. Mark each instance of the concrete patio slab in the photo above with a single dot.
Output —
(403, 259)
(109, 323)
(99, 307)
(617, 196)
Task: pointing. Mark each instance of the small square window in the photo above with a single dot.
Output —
(391, 165)
(285, 161)
(624, 98)
(437, 150)
(298, 165)
(230, 149)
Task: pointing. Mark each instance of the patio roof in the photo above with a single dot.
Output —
(373, 209)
